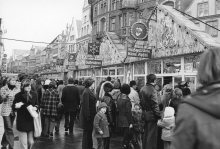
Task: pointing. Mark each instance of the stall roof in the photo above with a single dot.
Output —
(193, 29)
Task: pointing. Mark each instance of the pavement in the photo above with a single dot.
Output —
(62, 140)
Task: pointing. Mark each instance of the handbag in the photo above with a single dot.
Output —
(31, 110)
(37, 126)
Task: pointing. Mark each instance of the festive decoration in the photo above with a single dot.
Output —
(72, 57)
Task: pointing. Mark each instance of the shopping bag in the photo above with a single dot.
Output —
(37, 126)
(33, 112)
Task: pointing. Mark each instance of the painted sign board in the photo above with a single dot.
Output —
(134, 52)
(93, 62)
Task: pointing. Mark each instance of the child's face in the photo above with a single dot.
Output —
(103, 110)
(137, 108)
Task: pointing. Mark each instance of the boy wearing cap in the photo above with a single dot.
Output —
(101, 129)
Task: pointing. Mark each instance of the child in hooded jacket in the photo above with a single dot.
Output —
(101, 129)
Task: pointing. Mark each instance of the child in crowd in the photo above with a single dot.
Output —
(101, 129)
(138, 126)
(168, 124)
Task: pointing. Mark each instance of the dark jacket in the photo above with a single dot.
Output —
(111, 108)
(198, 120)
(50, 102)
(101, 124)
(70, 98)
(24, 122)
(88, 109)
(149, 100)
(81, 89)
(124, 111)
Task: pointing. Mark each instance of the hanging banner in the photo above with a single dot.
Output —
(93, 62)
(72, 57)
(93, 48)
(139, 30)
(142, 53)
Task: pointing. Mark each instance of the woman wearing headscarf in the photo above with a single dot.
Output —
(198, 116)
(87, 113)
(24, 121)
(8, 93)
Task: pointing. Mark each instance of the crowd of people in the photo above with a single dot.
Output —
(152, 117)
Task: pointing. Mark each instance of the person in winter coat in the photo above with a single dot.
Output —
(198, 116)
(8, 93)
(168, 124)
(150, 107)
(125, 116)
(71, 101)
(134, 96)
(176, 99)
(49, 109)
(87, 113)
(101, 129)
(24, 121)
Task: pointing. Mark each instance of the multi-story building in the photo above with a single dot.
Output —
(138, 39)
(207, 11)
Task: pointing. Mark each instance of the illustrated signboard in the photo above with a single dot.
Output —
(139, 30)
(93, 62)
(60, 62)
(72, 57)
(93, 48)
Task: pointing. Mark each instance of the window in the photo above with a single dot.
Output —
(95, 27)
(113, 4)
(213, 32)
(203, 9)
(95, 11)
(125, 19)
(217, 6)
(120, 21)
(105, 7)
(112, 24)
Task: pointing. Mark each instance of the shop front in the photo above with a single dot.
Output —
(176, 44)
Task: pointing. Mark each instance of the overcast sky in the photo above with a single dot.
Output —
(36, 20)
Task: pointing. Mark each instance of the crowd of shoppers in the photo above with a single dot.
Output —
(153, 117)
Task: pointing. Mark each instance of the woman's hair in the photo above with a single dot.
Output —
(151, 78)
(88, 82)
(209, 67)
(177, 93)
(25, 83)
(125, 89)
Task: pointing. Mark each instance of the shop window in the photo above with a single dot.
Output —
(154, 67)
(120, 71)
(191, 63)
(105, 71)
(139, 68)
(98, 72)
(217, 6)
(210, 30)
(111, 72)
(203, 9)
(125, 19)
(172, 65)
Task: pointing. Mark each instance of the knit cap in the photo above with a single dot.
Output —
(101, 105)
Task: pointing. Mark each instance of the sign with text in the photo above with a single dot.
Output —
(94, 62)
(142, 53)
(93, 48)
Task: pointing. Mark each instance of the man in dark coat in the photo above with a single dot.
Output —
(149, 103)
(71, 101)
